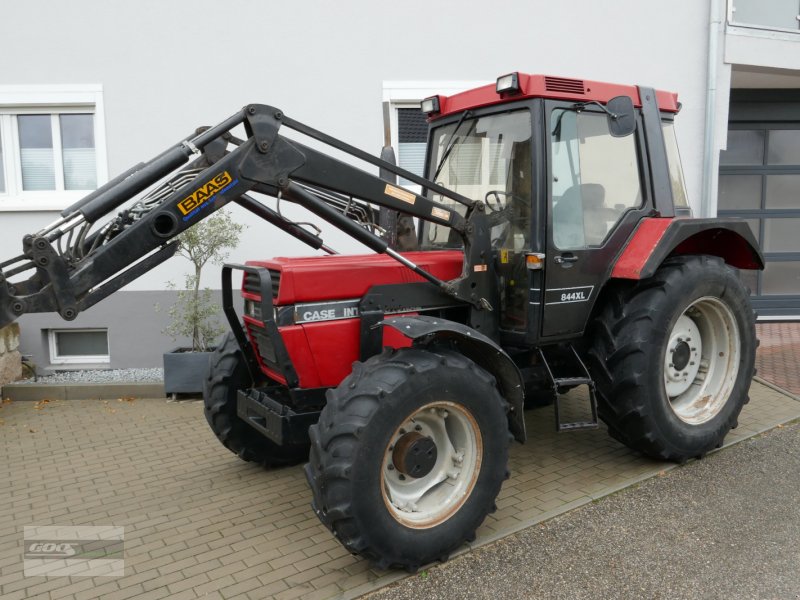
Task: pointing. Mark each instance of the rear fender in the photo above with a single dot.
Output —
(656, 239)
(428, 331)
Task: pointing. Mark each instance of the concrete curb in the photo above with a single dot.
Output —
(81, 391)
(777, 388)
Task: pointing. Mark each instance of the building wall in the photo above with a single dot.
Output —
(167, 67)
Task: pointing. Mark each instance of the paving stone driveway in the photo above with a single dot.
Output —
(199, 522)
(778, 358)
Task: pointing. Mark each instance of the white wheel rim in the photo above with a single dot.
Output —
(427, 501)
(701, 361)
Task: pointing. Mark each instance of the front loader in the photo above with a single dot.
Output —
(555, 249)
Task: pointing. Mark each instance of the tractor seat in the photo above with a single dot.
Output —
(579, 217)
(595, 213)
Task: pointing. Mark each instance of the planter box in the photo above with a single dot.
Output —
(185, 371)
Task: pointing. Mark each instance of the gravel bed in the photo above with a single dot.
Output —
(155, 375)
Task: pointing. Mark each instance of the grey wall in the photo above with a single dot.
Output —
(135, 321)
(167, 67)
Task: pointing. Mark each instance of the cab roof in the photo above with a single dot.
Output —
(547, 86)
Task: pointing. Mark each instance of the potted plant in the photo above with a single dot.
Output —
(195, 314)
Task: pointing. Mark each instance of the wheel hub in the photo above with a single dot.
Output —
(702, 360)
(680, 355)
(431, 464)
(682, 360)
(414, 455)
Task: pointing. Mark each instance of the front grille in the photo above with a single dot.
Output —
(252, 286)
(264, 346)
(561, 84)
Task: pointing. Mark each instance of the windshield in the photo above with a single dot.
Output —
(485, 158)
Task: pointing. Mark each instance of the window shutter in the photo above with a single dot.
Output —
(412, 133)
(78, 153)
(36, 152)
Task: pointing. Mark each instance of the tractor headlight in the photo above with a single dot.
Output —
(252, 309)
(508, 84)
(430, 105)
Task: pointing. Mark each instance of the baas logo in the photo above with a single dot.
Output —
(50, 550)
(195, 201)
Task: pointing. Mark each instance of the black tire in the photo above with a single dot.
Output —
(228, 374)
(629, 346)
(349, 446)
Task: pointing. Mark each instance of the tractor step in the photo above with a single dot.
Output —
(570, 382)
(563, 384)
(591, 424)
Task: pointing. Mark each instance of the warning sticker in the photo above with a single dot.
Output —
(440, 213)
(400, 194)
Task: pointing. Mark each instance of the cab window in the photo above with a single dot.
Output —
(679, 196)
(485, 158)
(595, 178)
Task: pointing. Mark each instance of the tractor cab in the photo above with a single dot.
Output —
(563, 169)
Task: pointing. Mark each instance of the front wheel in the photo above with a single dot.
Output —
(409, 455)
(673, 356)
(227, 375)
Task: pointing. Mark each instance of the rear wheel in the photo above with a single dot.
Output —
(227, 375)
(673, 356)
(409, 455)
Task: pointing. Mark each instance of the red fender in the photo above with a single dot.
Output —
(655, 239)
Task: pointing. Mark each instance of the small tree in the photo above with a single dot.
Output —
(193, 313)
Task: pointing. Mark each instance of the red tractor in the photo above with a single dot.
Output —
(555, 248)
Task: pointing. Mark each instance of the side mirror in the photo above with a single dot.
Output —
(621, 116)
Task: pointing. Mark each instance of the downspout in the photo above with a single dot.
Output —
(709, 176)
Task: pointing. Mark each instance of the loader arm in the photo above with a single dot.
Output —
(80, 259)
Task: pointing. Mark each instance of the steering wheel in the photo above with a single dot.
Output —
(499, 213)
(496, 205)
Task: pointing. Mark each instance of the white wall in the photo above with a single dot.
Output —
(167, 67)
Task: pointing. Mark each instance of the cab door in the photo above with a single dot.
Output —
(595, 199)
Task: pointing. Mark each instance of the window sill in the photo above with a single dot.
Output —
(55, 201)
(82, 366)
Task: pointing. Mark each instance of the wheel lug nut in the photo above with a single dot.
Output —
(402, 431)
(402, 477)
(418, 427)
(390, 467)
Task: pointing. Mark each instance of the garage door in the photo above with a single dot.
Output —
(760, 182)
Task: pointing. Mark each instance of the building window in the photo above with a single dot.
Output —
(407, 125)
(84, 346)
(776, 14)
(52, 149)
